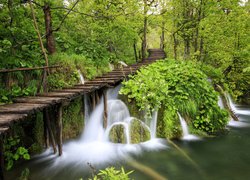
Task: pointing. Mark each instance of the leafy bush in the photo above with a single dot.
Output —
(177, 87)
(13, 152)
(112, 173)
(67, 74)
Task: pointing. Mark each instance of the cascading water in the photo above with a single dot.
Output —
(82, 81)
(186, 135)
(220, 102)
(153, 124)
(237, 111)
(94, 146)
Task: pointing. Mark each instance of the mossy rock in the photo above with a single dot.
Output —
(117, 134)
(139, 132)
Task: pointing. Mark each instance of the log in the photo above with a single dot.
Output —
(59, 128)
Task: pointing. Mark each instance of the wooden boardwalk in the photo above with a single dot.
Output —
(25, 106)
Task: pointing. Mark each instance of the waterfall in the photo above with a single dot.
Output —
(94, 146)
(220, 102)
(81, 77)
(186, 135)
(236, 109)
(153, 124)
(86, 108)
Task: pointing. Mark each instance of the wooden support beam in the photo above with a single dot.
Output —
(105, 114)
(93, 100)
(1, 158)
(51, 135)
(97, 98)
(59, 128)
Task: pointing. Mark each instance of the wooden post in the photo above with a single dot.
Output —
(97, 98)
(59, 128)
(51, 135)
(1, 159)
(93, 101)
(46, 133)
(105, 114)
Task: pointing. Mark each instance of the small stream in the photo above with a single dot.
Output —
(223, 157)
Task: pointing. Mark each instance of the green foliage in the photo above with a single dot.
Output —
(73, 119)
(112, 173)
(25, 174)
(14, 152)
(68, 75)
(177, 87)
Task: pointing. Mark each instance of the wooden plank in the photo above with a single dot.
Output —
(77, 91)
(67, 95)
(40, 100)
(22, 108)
(7, 119)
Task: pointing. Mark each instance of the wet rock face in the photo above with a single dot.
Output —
(117, 134)
(138, 132)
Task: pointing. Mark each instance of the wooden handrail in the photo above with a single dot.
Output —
(28, 69)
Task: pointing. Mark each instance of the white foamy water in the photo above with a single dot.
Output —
(94, 146)
(186, 135)
(235, 109)
(82, 81)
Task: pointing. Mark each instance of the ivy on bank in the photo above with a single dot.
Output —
(177, 86)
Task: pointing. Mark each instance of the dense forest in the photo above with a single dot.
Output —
(88, 35)
(46, 44)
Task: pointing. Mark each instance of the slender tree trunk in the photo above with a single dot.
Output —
(175, 46)
(201, 49)
(187, 48)
(162, 43)
(145, 27)
(135, 52)
(196, 39)
(50, 42)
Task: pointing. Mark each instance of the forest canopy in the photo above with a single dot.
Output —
(88, 35)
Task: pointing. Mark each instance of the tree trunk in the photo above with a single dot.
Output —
(135, 52)
(175, 46)
(162, 45)
(145, 26)
(50, 42)
(187, 48)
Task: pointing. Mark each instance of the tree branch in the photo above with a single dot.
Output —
(71, 9)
